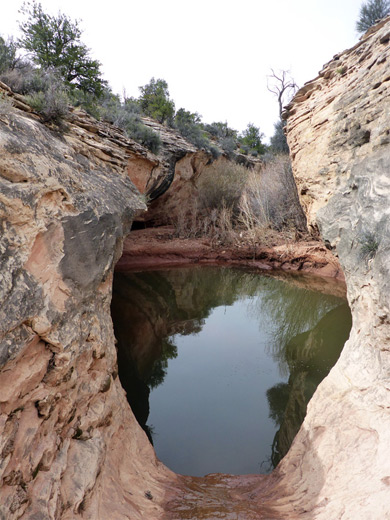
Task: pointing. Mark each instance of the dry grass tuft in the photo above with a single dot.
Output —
(6, 105)
(236, 205)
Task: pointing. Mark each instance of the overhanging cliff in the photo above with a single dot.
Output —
(69, 444)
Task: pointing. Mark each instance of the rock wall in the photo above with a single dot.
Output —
(339, 134)
(171, 188)
(69, 444)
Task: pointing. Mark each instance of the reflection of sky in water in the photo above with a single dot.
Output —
(217, 419)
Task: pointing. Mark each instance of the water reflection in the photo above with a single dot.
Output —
(309, 356)
(299, 330)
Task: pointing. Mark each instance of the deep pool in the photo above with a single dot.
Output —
(219, 364)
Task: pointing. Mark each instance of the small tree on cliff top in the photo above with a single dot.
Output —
(154, 100)
(284, 87)
(250, 140)
(53, 42)
(8, 59)
(370, 12)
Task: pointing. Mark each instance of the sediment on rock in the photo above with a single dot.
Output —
(156, 248)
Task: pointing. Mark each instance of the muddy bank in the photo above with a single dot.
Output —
(156, 248)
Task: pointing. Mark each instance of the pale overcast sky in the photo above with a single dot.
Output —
(214, 54)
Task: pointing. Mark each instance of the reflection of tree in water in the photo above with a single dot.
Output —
(290, 310)
(150, 308)
(277, 399)
(158, 371)
(309, 356)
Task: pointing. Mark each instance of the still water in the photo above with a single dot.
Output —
(219, 364)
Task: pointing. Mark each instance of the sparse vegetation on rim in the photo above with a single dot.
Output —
(369, 245)
(234, 203)
(50, 99)
(371, 12)
(51, 45)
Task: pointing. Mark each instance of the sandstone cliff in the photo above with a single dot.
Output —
(69, 444)
(337, 468)
(339, 134)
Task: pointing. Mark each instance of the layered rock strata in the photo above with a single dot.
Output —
(339, 135)
(69, 444)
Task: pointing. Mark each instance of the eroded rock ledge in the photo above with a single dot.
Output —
(156, 248)
(69, 444)
(339, 134)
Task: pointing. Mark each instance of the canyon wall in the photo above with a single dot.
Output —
(69, 444)
(339, 135)
(171, 189)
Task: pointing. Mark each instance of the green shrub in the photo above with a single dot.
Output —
(244, 149)
(369, 245)
(87, 101)
(129, 120)
(8, 57)
(228, 145)
(144, 135)
(24, 79)
(214, 150)
(51, 104)
(220, 130)
(278, 140)
(250, 140)
(127, 116)
(190, 127)
(154, 100)
(370, 12)
(53, 42)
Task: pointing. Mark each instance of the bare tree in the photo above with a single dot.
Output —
(283, 86)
